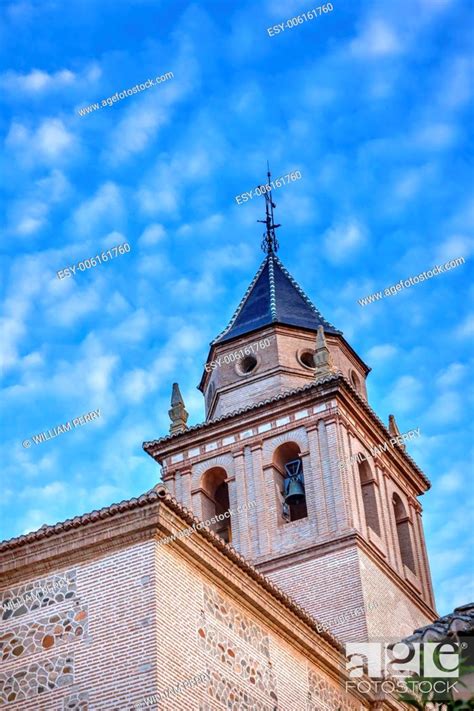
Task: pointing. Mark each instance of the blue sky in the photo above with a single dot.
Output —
(371, 102)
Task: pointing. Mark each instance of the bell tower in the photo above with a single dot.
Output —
(323, 497)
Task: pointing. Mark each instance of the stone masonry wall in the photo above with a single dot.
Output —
(90, 646)
(148, 619)
(202, 629)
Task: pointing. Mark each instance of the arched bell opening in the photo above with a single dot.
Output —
(216, 501)
(289, 480)
(369, 496)
(402, 522)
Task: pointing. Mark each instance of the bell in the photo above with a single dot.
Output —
(294, 491)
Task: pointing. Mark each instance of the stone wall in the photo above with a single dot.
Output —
(142, 619)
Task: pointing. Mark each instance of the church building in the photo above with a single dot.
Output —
(286, 524)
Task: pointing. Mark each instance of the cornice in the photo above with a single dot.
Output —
(100, 531)
(324, 386)
(228, 417)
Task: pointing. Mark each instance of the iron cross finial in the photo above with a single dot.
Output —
(269, 242)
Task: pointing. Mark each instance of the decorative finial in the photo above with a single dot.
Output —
(177, 413)
(322, 356)
(269, 242)
(393, 428)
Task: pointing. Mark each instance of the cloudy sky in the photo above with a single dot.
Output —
(371, 102)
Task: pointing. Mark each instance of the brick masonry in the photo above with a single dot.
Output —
(135, 618)
(321, 560)
(158, 615)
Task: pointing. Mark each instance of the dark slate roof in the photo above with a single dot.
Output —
(457, 623)
(274, 297)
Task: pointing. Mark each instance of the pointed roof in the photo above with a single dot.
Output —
(274, 297)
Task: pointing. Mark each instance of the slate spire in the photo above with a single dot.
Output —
(274, 297)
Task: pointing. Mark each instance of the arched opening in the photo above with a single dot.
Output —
(403, 532)
(289, 481)
(369, 497)
(355, 381)
(215, 501)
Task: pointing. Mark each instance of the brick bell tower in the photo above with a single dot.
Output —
(286, 404)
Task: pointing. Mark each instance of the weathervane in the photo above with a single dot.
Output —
(269, 242)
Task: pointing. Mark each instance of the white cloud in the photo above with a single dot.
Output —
(444, 561)
(99, 377)
(446, 409)
(37, 81)
(209, 224)
(33, 519)
(433, 6)
(104, 495)
(55, 185)
(112, 239)
(52, 138)
(466, 328)
(409, 183)
(187, 339)
(204, 289)
(30, 223)
(343, 240)
(435, 136)
(69, 310)
(377, 39)
(450, 482)
(27, 281)
(33, 360)
(161, 192)
(50, 143)
(163, 200)
(153, 234)
(452, 375)
(54, 491)
(134, 132)
(135, 385)
(103, 210)
(456, 89)
(30, 213)
(94, 369)
(455, 246)
(282, 9)
(454, 591)
(405, 395)
(379, 354)
(133, 328)
(32, 465)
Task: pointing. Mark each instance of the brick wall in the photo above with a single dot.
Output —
(397, 615)
(114, 657)
(327, 587)
(154, 617)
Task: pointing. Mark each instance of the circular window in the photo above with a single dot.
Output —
(306, 359)
(247, 364)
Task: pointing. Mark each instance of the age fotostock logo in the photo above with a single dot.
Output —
(393, 663)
